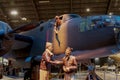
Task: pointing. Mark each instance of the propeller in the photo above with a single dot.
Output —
(8, 39)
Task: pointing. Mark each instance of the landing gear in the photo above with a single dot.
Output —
(1, 45)
(118, 40)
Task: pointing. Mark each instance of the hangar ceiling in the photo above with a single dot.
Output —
(36, 10)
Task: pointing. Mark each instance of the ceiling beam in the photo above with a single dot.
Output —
(71, 5)
(3, 13)
(5, 16)
(108, 6)
(36, 10)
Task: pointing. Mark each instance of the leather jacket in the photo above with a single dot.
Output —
(46, 61)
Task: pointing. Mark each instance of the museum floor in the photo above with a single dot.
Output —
(11, 78)
(108, 75)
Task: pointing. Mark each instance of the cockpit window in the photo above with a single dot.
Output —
(67, 17)
(74, 16)
(97, 22)
(41, 28)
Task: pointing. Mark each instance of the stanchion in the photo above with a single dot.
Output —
(104, 74)
(116, 77)
(116, 74)
(80, 70)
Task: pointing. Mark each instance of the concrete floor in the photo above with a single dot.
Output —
(79, 76)
(11, 78)
(104, 75)
(108, 75)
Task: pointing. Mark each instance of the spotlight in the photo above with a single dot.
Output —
(24, 18)
(88, 9)
(14, 12)
(110, 13)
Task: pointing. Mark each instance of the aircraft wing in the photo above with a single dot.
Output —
(89, 54)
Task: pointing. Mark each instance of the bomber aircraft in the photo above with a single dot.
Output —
(91, 36)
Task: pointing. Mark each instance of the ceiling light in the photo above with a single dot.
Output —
(110, 13)
(14, 12)
(24, 18)
(88, 9)
(44, 1)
